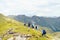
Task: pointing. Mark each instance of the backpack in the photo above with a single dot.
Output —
(44, 32)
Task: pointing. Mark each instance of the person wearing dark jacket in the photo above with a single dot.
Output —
(29, 24)
(43, 32)
(36, 27)
(24, 24)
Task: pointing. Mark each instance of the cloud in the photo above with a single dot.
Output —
(30, 7)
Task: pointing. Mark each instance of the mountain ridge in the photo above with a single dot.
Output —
(50, 22)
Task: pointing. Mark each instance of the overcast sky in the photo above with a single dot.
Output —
(49, 8)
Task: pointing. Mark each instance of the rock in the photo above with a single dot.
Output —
(0, 38)
(17, 36)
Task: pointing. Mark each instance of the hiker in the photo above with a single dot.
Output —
(43, 32)
(29, 24)
(24, 24)
(36, 27)
(32, 25)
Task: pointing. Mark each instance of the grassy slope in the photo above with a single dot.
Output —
(56, 34)
(6, 24)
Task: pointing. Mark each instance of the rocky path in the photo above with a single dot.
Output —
(56, 38)
(17, 38)
(20, 37)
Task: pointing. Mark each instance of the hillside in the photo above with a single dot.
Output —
(50, 22)
(56, 35)
(18, 27)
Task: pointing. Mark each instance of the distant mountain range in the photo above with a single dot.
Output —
(50, 22)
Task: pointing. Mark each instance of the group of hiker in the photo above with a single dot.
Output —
(32, 25)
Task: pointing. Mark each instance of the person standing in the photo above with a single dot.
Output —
(29, 24)
(36, 27)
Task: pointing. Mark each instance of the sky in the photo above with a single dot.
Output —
(48, 8)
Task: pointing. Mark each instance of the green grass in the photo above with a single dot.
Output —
(6, 24)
